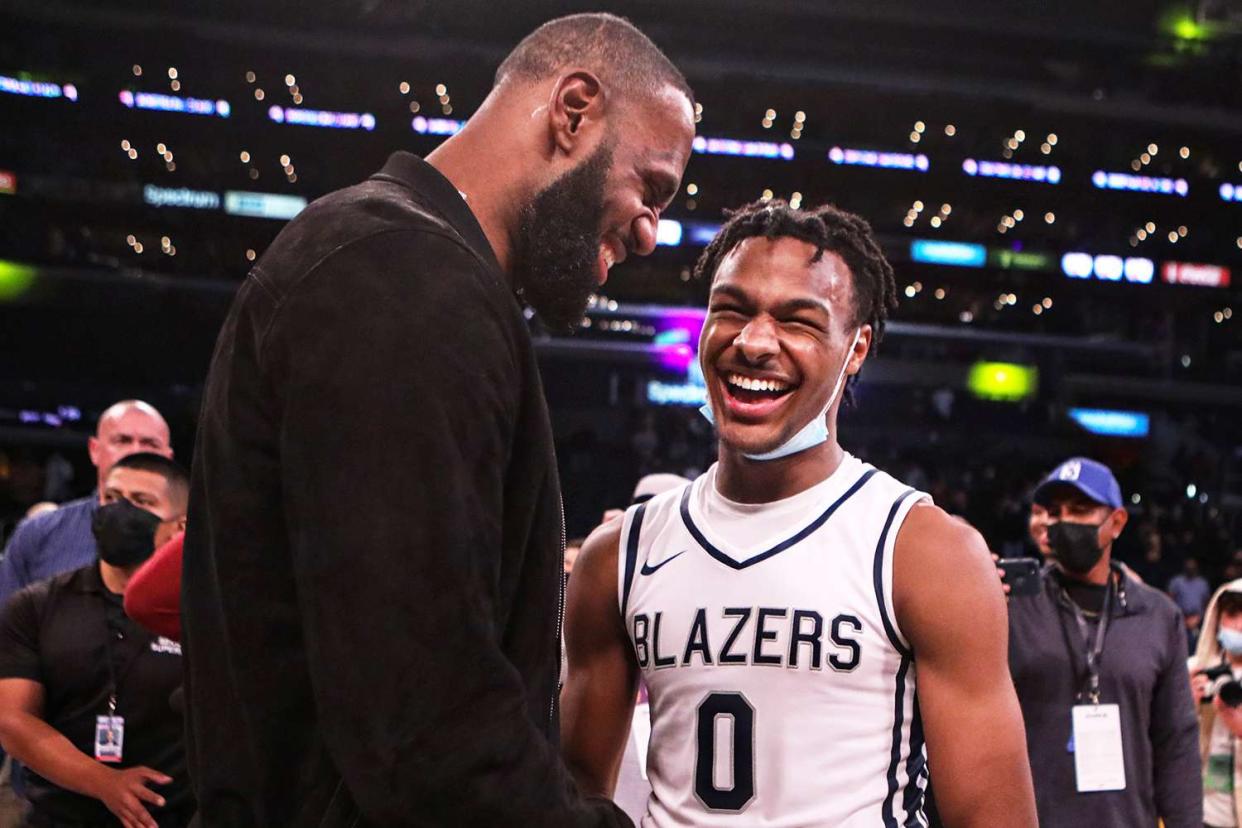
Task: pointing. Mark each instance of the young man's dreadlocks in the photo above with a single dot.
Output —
(828, 228)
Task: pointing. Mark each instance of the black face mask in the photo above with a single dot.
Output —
(124, 533)
(1076, 546)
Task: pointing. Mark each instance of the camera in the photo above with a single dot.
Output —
(1230, 691)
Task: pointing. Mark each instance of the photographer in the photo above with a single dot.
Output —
(1096, 658)
(1214, 673)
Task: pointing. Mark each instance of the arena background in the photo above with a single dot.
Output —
(1058, 185)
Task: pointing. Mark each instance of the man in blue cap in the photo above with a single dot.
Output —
(1098, 661)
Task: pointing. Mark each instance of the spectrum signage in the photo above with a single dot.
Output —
(1200, 275)
(180, 197)
(262, 205)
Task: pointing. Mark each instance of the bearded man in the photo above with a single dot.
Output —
(373, 568)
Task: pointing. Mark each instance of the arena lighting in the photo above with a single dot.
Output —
(701, 233)
(1077, 265)
(1140, 271)
(436, 126)
(745, 149)
(321, 118)
(1200, 275)
(677, 336)
(8, 182)
(1139, 183)
(56, 419)
(1231, 192)
(262, 205)
(1136, 269)
(957, 254)
(668, 233)
(15, 279)
(1020, 260)
(850, 157)
(1002, 381)
(174, 103)
(37, 89)
(180, 197)
(1013, 172)
(1112, 423)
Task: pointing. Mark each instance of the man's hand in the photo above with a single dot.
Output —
(1198, 685)
(125, 791)
(1000, 573)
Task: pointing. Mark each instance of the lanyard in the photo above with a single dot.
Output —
(1090, 687)
(113, 679)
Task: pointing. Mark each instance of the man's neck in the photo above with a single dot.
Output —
(115, 579)
(475, 167)
(1097, 575)
(763, 481)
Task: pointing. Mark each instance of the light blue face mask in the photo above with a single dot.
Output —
(1230, 640)
(811, 434)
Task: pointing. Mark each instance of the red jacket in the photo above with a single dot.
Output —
(153, 596)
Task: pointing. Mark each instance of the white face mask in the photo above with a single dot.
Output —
(813, 433)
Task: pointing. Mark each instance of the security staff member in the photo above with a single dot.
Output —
(1098, 660)
(84, 691)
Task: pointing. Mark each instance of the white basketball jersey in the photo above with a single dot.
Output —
(782, 691)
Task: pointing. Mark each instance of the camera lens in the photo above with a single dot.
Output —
(1230, 693)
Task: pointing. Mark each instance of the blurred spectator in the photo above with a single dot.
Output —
(1152, 567)
(60, 541)
(84, 691)
(1096, 643)
(1220, 724)
(1189, 589)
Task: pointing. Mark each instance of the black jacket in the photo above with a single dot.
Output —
(1143, 671)
(372, 586)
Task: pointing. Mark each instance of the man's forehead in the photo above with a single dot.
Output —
(664, 124)
(785, 264)
(1064, 494)
(128, 479)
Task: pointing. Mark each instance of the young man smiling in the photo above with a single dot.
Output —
(812, 632)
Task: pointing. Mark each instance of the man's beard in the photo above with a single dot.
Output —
(555, 259)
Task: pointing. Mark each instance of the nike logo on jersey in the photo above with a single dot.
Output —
(651, 570)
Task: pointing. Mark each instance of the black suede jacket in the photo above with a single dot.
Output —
(372, 585)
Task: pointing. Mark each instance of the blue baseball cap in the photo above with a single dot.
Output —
(1093, 479)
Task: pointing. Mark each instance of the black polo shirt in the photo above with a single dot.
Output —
(57, 632)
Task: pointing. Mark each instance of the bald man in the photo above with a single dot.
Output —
(61, 541)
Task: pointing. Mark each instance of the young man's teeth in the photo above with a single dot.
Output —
(609, 259)
(751, 384)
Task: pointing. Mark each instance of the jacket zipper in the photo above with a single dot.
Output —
(560, 620)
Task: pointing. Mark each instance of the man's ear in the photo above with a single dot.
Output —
(1119, 518)
(576, 108)
(861, 348)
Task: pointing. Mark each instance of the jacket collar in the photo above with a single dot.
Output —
(435, 192)
(1129, 596)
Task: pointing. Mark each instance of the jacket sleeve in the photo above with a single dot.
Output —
(1175, 736)
(153, 594)
(394, 370)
